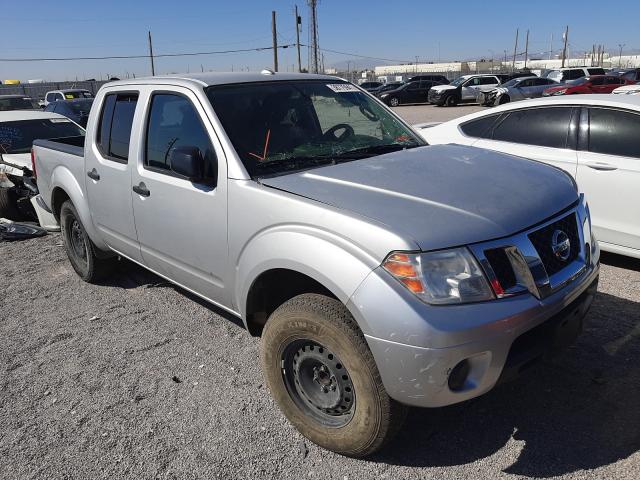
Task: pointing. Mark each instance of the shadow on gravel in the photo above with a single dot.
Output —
(129, 275)
(578, 411)
(620, 261)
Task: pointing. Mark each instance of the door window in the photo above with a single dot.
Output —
(613, 80)
(480, 128)
(573, 74)
(597, 81)
(488, 81)
(614, 132)
(413, 86)
(116, 120)
(546, 127)
(174, 122)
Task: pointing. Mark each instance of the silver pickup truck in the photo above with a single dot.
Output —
(380, 272)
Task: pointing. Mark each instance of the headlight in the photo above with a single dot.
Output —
(442, 277)
(560, 92)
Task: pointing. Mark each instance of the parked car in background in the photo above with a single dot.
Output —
(633, 89)
(591, 84)
(76, 110)
(410, 92)
(572, 73)
(17, 102)
(369, 86)
(592, 137)
(632, 74)
(507, 77)
(430, 78)
(68, 94)
(462, 89)
(521, 88)
(386, 87)
(18, 130)
(379, 272)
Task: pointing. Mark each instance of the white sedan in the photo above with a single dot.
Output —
(628, 90)
(595, 138)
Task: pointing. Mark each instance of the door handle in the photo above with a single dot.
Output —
(606, 167)
(141, 189)
(93, 174)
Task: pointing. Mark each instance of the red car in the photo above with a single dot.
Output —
(592, 84)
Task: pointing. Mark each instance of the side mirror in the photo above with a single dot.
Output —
(187, 162)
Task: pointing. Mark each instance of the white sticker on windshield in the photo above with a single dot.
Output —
(342, 87)
(59, 120)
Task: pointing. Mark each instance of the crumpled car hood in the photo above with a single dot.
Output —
(440, 196)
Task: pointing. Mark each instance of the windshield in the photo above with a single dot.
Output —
(81, 107)
(459, 81)
(277, 127)
(511, 83)
(18, 136)
(16, 103)
(70, 95)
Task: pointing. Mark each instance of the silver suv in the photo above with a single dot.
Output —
(379, 271)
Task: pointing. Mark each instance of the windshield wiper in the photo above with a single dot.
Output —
(294, 163)
(372, 150)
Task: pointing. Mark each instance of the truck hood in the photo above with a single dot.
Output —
(440, 196)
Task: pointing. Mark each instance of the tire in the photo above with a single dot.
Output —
(451, 101)
(345, 409)
(83, 254)
(504, 99)
(8, 205)
(394, 102)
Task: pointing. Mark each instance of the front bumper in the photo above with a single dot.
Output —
(432, 356)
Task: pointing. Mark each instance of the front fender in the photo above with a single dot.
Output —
(332, 260)
(63, 178)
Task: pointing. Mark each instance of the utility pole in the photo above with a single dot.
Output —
(621, 45)
(566, 40)
(348, 70)
(313, 4)
(515, 51)
(298, 23)
(551, 47)
(275, 41)
(593, 54)
(416, 64)
(526, 51)
(153, 68)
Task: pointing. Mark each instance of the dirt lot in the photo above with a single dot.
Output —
(137, 379)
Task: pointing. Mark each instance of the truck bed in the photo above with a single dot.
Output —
(72, 145)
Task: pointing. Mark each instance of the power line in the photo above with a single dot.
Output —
(162, 55)
(363, 56)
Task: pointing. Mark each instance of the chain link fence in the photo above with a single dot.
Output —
(37, 91)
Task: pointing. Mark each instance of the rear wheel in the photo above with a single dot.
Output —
(84, 256)
(323, 376)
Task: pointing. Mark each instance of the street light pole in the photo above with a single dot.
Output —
(621, 45)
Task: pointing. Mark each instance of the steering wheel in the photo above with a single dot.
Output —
(331, 133)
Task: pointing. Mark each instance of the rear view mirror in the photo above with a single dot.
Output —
(188, 162)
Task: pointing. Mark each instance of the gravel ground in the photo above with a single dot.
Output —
(137, 379)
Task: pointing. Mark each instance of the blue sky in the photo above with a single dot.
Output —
(396, 30)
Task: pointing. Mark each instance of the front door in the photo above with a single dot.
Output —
(108, 172)
(609, 174)
(182, 226)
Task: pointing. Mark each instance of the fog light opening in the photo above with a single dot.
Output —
(458, 375)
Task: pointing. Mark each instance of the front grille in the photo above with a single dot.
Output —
(501, 266)
(542, 241)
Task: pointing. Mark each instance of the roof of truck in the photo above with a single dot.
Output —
(222, 78)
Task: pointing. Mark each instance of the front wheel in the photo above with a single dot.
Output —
(504, 99)
(323, 376)
(451, 101)
(84, 256)
(394, 102)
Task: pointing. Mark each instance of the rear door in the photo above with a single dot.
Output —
(182, 226)
(108, 172)
(545, 134)
(611, 83)
(609, 173)
(597, 85)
